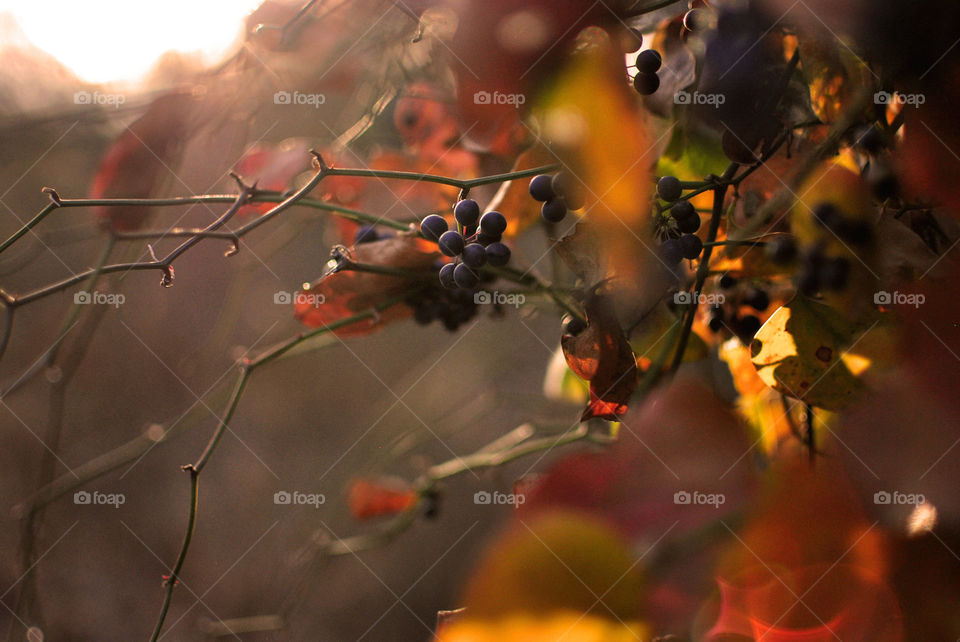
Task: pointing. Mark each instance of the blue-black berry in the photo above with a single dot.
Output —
(446, 276)
(365, 234)
(451, 243)
(646, 84)
(649, 61)
(467, 212)
(668, 188)
(690, 246)
(554, 210)
(541, 187)
(474, 255)
(433, 226)
(493, 224)
(465, 277)
(671, 251)
(498, 254)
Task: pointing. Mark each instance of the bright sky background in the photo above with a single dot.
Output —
(115, 40)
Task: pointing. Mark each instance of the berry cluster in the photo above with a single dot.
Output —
(558, 193)
(682, 222)
(646, 81)
(744, 326)
(453, 308)
(474, 244)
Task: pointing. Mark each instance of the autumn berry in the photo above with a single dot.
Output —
(433, 226)
(688, 225)
(690, 246)
(365, 234)
(781, 250)
(493, 223)
(451, 243)
(541, 187)
(727, 282)
(682, 210)
(498, 254)
(474, 255)
(554, 210)
(747, 326)
(757, 299)
(646, 84)
(572, 325)
(467, 212)
(668, 188)
(649, 61)
(568, 187)
(671, 251)
(465, 277)
(487, 239)
(827, 215)
(446, 276)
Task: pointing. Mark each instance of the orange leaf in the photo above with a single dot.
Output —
(370, 498)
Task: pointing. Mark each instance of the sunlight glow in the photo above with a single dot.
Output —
(115, 40)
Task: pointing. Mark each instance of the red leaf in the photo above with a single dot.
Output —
(273, 167)
(140, 160)
(347, 292)
(602, 355)
(370, 498)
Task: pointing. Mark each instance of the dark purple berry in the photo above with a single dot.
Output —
(433, 226)
(365, 234)
(757, 299)
(649, 61)
(827, 215)
(541, 187)
(572, 325)
(781, 250)
(747, 326)
(682, 210)
(554, 210)
(727, 282)
(487, 239)
(671, 251)
(690, 246)
(467, 212)
(688, 225)
(446, 276)
(474, 255)
(646, 84)
(668, 188)
(465, 277)
(493, 224)
(451, 243)
(498, 254)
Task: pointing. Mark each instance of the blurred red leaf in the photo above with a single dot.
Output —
(348, 292)
(273, 167)
(142, 158)
(602, 355)
(370, 498)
